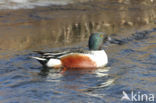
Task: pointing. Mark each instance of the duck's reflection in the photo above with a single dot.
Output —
(84, 81)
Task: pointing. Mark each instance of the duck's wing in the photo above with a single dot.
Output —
(55, 56)
(48, 55)
(58, 54)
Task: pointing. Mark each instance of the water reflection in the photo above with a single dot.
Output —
(73, 78)
(61, 26)
(132, 64)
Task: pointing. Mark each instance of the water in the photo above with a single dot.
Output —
(131, 67)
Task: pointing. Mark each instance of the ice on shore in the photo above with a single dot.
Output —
(28, 4)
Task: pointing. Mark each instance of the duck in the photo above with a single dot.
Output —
(93, 57)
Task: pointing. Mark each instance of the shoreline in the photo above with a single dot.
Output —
(54, 26)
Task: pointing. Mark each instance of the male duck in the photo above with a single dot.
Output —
(93, 58)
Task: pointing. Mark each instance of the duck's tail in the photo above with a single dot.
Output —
(49, 62)
(43, 61)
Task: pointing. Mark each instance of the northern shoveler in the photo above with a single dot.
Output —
(93, 58)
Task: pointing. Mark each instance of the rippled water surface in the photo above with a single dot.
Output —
(132, 65)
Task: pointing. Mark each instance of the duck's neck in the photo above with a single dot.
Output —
(97, 50)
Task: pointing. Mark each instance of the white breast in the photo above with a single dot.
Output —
(53, 63)
(99, 57)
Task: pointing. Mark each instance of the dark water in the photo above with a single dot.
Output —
(132, 65)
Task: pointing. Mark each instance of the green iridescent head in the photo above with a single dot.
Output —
(96, 41)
